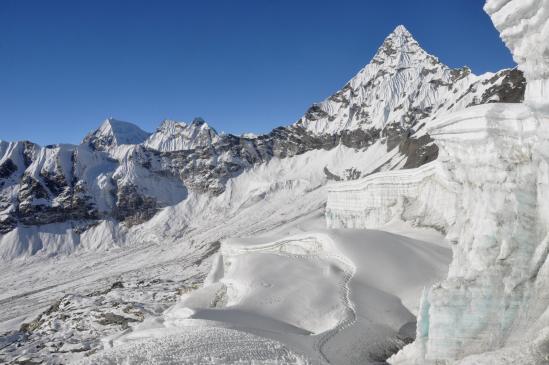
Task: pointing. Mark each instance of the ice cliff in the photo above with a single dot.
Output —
(488, 191)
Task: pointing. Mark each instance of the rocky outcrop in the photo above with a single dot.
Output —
(132, 207)
(7, 168)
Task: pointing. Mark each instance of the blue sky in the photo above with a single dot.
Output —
(243, 65)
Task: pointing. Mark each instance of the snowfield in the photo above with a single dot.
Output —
(300, 297)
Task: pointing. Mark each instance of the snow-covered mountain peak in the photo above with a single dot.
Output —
(400, 49)
(402, 85)
(399, 39)
(198, 121)
(114, 132)
(175, 136)
(401, 30)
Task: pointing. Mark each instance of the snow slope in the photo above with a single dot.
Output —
(339, 300)
(115, 133)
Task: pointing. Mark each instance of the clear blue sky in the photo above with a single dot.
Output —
(243, 65)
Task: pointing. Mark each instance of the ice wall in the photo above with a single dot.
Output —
(424, 196)
(495, 292)
(524, 27)
(489, 192)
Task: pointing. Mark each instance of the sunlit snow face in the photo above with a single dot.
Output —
(524, 27)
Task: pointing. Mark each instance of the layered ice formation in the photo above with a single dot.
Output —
(488, 192)
(423, 195)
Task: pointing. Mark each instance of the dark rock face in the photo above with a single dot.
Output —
(419, 151)
(511, 89)
(99, 143)
(460, 73)
(7, 168)
(28, 152)
(315, 113)
(7, 224)
(330, 175)
(36, 202)
(133, 208)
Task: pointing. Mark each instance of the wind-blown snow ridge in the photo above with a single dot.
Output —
(302, 291)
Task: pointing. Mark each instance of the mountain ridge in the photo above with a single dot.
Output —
(123, 173)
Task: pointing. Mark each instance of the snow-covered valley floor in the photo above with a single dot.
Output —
(299, 294)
